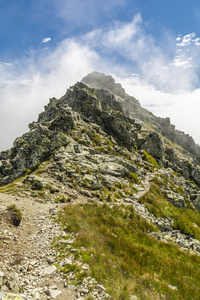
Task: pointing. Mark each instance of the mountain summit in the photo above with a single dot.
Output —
(99, 101)
(130, 184)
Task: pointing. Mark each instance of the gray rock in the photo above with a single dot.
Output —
(66, 261)
(53, 293)
(36, 182)
(49, 270)
(172, 287)
(154, 145)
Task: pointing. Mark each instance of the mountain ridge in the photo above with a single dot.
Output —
(98, 106)
(132, 107)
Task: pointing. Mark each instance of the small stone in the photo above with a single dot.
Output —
(85, 267)
(37, 296)
(50, 260)
(53, 287)
(172, 287)
(100, 287)
(54, 293)
(66, 261)
(71, 287)
(1, 274)
(30, 267)
(50, 270)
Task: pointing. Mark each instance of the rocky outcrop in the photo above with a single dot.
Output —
(33, 147)
(153, 144)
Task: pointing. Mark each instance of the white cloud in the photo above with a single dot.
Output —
(168, 68)
(187, 39)
(120, 34)
(24, 94)
(126, 39)
(197, 41)
(180, 62)
(161, 76)
(46, 40)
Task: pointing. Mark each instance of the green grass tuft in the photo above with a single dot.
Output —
(149, 158)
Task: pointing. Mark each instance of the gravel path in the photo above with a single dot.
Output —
(26, 259)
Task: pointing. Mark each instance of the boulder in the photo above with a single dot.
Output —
(119, 125)
(154, 145)
(113, 169)
(36, 182)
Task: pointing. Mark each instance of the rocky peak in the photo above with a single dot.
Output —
(106, 82)
(119, 117)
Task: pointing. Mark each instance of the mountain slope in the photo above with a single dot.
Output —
(115, 165)
(132, 108)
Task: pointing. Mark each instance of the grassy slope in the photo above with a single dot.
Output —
(186, 220)
(125, 259)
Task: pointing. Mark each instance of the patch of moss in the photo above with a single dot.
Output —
(149, 158)
(62, 199)
(134, 177)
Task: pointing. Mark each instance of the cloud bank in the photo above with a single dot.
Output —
(165, 78)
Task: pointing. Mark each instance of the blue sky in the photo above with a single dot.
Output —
(152, 47)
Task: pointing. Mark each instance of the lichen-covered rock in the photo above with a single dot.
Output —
(113, 169)
(82, 100)
(195, 174)
(36, 182)
(177, 200)
(33, 147)
(131, 107)
(90, 181)
(10, 296)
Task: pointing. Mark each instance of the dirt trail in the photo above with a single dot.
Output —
(25, 250)
(146, 184)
